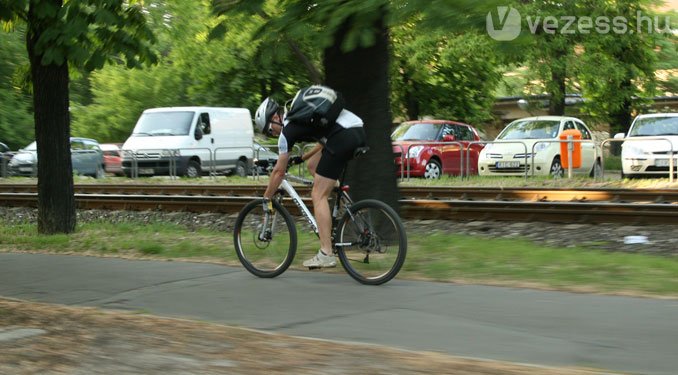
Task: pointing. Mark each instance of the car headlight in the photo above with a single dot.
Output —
(635, 150)
(540, 147)
(168, 153)
(415, 151)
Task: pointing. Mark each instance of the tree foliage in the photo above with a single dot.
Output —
(442, 75)
(83, 34)
(617, 71)
(16, 122)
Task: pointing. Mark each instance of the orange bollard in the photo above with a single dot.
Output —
(576, 148)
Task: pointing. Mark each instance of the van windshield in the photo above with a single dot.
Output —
(163, 123)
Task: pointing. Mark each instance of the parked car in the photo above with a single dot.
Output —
(642, 156)
(434, 147)
(263, 158)
(537, 134)
(112, 158)
(86, 159)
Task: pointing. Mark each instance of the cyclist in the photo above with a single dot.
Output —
(325, 162)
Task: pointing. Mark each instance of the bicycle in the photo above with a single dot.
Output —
(368, 236)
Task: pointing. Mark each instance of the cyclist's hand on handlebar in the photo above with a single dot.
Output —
(294, 160)
(268, 205)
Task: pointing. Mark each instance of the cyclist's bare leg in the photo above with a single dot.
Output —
(312, 162)
(322, 188)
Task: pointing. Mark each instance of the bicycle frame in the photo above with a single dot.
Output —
(289, 189)
(341, 196)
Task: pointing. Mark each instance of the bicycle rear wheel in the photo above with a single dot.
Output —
(271, 256)
(371, 242)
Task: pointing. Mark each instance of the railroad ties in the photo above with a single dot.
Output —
(429, 203)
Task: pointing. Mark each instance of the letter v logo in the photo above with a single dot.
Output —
(509, 24)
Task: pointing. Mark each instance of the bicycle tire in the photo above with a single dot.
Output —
(265, 259)
(373, 230)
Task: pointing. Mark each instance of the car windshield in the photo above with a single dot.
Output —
(31, 147)
(163, 123)
(654, 127)
(530, 129)
(416, 132)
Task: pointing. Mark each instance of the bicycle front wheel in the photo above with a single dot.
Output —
(265, 247)
(371, 242)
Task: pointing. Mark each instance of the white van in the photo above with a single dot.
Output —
(190, 141)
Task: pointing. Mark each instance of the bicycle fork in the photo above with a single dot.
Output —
(266, 233)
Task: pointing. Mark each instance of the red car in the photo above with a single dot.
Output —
(432, 148)
(112, 158)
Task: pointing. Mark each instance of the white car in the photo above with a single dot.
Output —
(511, 152)
(646, 149)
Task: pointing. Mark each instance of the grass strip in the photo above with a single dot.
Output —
(432, 256)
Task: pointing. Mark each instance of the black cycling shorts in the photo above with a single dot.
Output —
(339, 150)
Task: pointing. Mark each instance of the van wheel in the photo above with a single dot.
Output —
(193, 169)
(240, 169)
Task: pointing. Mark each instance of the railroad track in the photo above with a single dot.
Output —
(441, 203)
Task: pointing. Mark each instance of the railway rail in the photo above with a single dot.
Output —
(440, 203)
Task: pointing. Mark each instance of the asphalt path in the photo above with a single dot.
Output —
(619, 334)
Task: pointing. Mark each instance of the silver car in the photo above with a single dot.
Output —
(264, 158)
(86, 158)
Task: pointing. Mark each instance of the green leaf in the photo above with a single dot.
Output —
(45, 9)
(53, 56)
(218, 32)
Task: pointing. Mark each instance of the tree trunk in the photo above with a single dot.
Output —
(56, 202)
(622, 118)
(361, 75)
(558, 89)
(411, 101)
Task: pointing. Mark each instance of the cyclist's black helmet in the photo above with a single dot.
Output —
(262, 118)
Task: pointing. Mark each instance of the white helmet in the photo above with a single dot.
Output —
(262, 118)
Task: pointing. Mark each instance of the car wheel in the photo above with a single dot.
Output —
(240, 169)
(433, 170)
(100, 173)
(556, 168)
(193, 169)
(596, 170)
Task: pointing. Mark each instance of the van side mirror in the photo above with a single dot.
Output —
(198, 133)
(619, 136)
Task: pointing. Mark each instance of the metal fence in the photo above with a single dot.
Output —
(468, 151)
(671, 161)
(405, 157)
(570, 150)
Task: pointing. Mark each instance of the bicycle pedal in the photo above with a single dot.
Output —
(314, 268)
